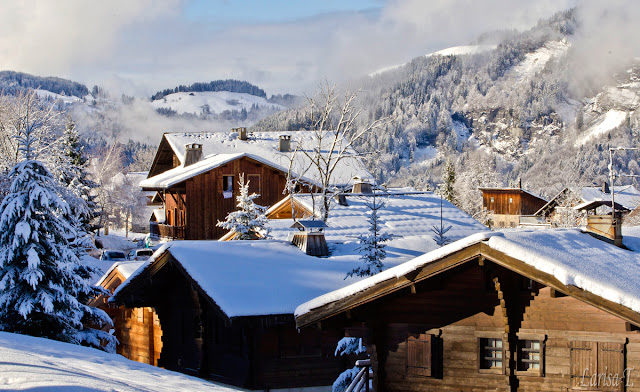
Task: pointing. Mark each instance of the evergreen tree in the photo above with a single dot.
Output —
(43, 287)
(448, 180)
(440, 238)
(372, 246)
(71, 168)
(249, 221)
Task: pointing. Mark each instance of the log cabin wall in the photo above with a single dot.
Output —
(462, 311)
(176, 207)
(139, 334)
(206, 203)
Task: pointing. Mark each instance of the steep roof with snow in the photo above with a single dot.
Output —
(574, 258)
(627, 196)
(126, 268)
(406, 214)
(219, 148)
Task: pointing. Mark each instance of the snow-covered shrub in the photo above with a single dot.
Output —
(347, 346)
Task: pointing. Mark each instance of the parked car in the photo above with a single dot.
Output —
(140, 254)
(113, 255)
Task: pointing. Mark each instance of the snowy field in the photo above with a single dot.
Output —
(37, 364)
(218, 101)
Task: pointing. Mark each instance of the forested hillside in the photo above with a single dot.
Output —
(11, 82)
(515, 112)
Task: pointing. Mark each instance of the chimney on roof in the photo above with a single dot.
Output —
(193, 153)
(242, 133)
(285, 143)
(605, 188)
(361, 186)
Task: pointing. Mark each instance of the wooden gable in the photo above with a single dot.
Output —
(165, 159)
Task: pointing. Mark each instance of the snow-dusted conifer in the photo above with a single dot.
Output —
(372, 246)
(347, 346)
(440, 231)
(249, 221)
(447, 189)
(43, 286)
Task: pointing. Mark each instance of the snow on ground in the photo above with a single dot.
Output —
(453, 51)
(67, 99)
(38, 364)
(425, 155)
(218, 101)
(573, 257)
(116, 240)
(611, 120)
(534, 62)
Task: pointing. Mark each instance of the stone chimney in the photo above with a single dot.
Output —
(285, 143)
(193, 153)
(605, 188)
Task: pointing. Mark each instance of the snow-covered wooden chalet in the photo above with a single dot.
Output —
(538, 310)
(197, 175)
(226, 307)
(506, 206)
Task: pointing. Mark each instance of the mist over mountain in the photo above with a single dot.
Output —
(531, 109)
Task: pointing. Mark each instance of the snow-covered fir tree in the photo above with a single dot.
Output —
(249, 221)
(372, 246)
(447, 189)
(440, 231)
(44, 288)
(71, 165)
(347, 346)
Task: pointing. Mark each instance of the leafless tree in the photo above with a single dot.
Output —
(104, 168)
(335, 130)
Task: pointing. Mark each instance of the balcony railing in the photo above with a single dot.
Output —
(166, 231)
(361, 382)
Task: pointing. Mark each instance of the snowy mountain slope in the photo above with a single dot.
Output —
(535, 62)
(218, 101)
(452, 51)
(30, 364)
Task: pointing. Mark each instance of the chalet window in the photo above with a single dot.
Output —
(420, 355)
(530, 356)
(227, 183)
(490, 355)
(526, 284)
(510, 200)
(492, 199)
(598, 366)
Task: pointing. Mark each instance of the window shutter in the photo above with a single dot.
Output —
(583, 362)
(419, 355)
(611, 362)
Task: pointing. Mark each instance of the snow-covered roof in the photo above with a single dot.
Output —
(262, 277)
(571, 256)
(221, 147)
(406, 214)
(40, 364)
(627, 196)
(159, 214)
(126, 268)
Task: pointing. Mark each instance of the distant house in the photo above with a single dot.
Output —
(626, 195)
(551, 310)
(507, 205)
(226, 308)
(197, 176)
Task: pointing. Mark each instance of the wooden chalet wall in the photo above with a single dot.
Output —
(509, 204)
(457, 308)
(259, 352)
(138, 330)
(205, 204)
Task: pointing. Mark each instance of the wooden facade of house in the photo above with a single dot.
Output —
(138, 329)
(254, 352)
(194, 206)
(507, 205)
(479, 320)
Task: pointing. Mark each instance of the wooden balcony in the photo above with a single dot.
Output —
(166, 231)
